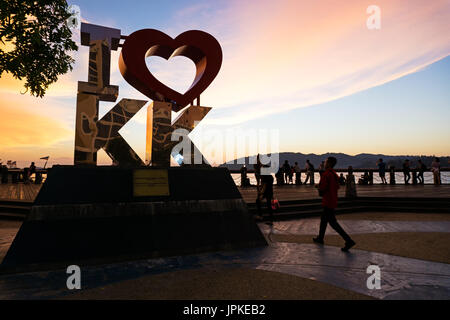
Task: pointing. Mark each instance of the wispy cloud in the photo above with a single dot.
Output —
(283, 55)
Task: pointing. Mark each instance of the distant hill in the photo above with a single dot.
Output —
(363, 160)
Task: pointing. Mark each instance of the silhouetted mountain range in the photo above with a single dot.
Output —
(363, 160)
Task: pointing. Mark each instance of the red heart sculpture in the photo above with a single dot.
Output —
(202, 48)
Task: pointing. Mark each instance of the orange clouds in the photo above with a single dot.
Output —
(9, 84)
(23, 128)
(32, 127)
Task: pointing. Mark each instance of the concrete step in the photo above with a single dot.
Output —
(300, 207)
(367, 201)
(422, 199)
(16, 203)
(409, 209)
(403, 204)
(281, 216)
(295, 209)
(15, 210)
(12, 216)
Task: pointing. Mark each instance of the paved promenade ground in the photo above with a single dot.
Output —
(412, 251)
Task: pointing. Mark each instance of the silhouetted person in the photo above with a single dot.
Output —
(244, 178)
(286, 171)
(32, 168)
(298, 174)
(421, 168)
(436, 169)
(406, 171)
(265, 191)
(257, 167)
(391, 174)
(280, 177)
(328, 189)
(291, 175)
(341, 179)
(364, 180)
(309, 172)
(30, 172)
(382, 170)
(350, 184)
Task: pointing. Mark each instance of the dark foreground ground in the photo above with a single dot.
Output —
(412, 250)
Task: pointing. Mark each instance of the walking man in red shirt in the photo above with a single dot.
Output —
(328, 187)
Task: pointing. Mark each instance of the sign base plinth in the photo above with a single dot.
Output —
(93, 215)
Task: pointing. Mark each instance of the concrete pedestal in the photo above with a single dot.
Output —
(104, 214)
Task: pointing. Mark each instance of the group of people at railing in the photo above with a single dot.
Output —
(407, 169)
(26, 175)
(287, 173)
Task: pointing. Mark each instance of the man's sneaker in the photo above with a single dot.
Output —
(318, 240)
(348, 245)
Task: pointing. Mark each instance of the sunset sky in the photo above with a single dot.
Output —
(311, 70)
